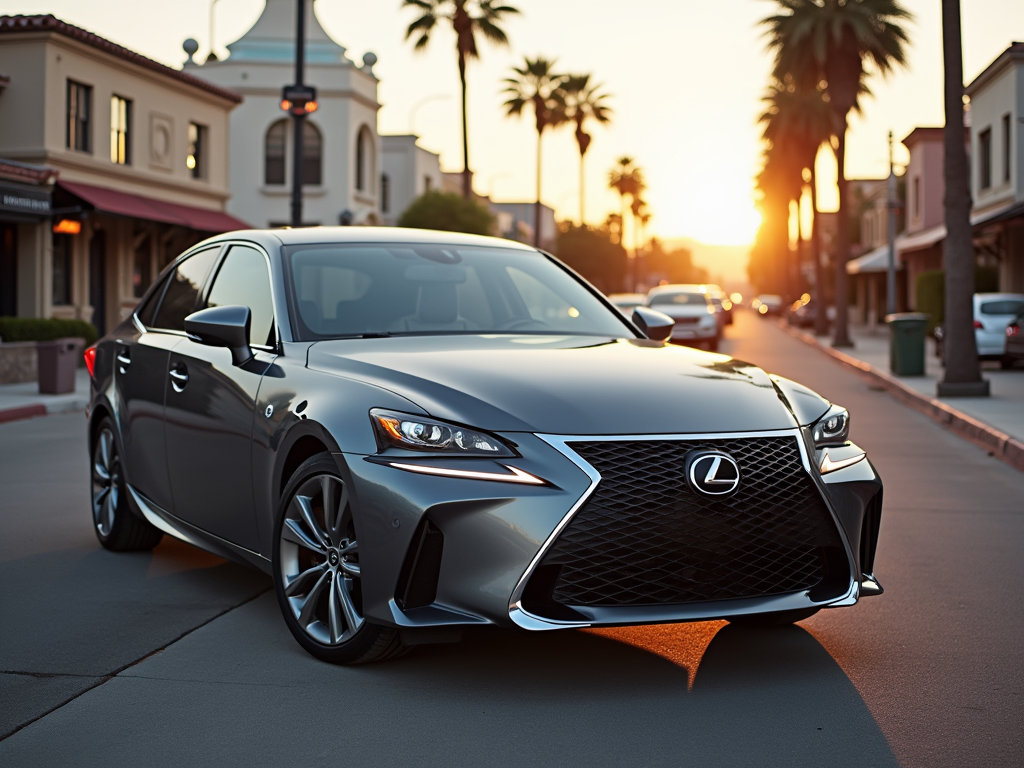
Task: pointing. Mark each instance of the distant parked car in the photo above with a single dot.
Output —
(627, 302)
(695, 315)
(768, 304)
(1014, 342)
(802, 312)
(993, 313)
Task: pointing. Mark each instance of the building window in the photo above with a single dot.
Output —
(1006, 148)
(275, 150)
(985, 159)
(364, 160)
(61, 283)
(916, 213)
(385, 193)
(196, 159)
(273, 153)
(120, 131)
(78, 116)
(312, 149)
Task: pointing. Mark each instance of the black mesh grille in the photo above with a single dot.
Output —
(645, 538)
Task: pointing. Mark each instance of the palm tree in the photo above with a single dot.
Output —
(536, 83)
(583, 100)
(963, 374)
(467, 17)
(628, 180)
(830, 41)
(779, 182)
(799, 117)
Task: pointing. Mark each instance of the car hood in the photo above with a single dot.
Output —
(569, 385)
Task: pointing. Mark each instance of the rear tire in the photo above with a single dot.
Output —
(776, 619)
(116, 526)
(317, 570)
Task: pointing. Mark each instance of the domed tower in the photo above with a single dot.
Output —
(342, 146)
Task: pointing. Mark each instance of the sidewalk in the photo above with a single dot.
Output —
(23, 401)
(996, 422)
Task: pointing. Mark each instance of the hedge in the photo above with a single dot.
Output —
(38, 329)
(930, 291)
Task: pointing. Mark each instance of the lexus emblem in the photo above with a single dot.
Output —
(712, 473)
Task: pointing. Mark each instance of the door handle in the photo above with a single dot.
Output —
(123, 360)
(179, 378)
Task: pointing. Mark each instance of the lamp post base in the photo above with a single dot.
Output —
(963, 389)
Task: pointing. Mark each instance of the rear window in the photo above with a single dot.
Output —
(664, 299)
(1004, 307)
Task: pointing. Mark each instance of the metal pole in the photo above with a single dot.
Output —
(297, 119)
(892, 203)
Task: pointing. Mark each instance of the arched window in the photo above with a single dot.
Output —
(365, 171)
(312, 151)
(276, 149)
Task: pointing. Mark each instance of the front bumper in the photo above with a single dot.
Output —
(495, 534)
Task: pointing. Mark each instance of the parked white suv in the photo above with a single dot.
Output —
(696, 317)
(993, 312)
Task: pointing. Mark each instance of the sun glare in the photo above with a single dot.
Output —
(723, 213)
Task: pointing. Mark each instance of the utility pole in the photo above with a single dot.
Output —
(892, 203)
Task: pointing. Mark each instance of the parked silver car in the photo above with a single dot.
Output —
(697, 323)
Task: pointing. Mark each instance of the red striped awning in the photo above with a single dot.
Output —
(118, 203)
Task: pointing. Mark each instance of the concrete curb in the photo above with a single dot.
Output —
(63, 405)
(24, 412)
(1001, 445)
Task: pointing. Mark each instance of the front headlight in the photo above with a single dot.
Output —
(833, 428)
(416, 433)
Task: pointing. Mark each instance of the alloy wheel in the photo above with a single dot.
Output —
(106, 482)
(319, 561)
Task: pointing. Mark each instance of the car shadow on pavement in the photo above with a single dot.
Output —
(243, 691)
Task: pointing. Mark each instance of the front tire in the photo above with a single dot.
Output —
(776, 619)
(116, 526)
(317, 570)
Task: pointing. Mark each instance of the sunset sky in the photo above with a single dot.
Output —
(686, 79)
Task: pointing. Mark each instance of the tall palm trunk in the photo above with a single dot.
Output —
(536, 205)
(963, 374)
(842, 332)
(820, 317)
(583, 221)
(467, 178)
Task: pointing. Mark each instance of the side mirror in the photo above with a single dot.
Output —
(223, 327)
(653, 323)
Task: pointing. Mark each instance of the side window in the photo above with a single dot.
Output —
(183, 288)
(243, 279)
(146, 311)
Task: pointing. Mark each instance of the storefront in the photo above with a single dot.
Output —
(25, 209)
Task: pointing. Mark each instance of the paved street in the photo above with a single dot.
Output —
(176, 657)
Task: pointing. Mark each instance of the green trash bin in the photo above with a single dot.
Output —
(906, 342)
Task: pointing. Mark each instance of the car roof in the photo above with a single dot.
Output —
(677, 288)
(998, 296)
(342, 235)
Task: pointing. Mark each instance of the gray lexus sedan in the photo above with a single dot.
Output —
(414, 432)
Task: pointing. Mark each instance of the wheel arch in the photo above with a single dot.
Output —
(304, 440)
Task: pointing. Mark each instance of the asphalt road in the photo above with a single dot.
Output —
(177, 657)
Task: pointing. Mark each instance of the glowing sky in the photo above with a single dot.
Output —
(686, 76)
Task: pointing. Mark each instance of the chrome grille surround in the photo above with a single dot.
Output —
(682, 612)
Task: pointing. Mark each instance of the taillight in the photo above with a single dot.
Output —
(1013, 330)
(90, 359)
(977, 325)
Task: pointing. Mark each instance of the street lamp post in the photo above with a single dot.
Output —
(892, 203)
(298, 116)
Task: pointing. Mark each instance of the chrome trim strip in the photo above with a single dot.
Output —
(827, 465)
(523, 618)
(517, 476)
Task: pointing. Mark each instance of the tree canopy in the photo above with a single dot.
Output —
(448, 212)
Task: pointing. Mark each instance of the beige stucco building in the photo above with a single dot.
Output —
(139, 154)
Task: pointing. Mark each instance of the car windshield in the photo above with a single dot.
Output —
(1004, 307)
(403, 289)
(665, 299)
